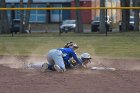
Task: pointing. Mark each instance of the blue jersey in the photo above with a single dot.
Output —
(69, 53)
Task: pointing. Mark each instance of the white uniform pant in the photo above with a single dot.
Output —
(36, 65)
(54, 57)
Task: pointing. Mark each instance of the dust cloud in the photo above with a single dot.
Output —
(12, 62)
(19, 62)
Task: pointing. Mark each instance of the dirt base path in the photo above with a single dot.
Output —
(125, 79)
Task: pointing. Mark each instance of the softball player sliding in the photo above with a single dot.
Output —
(59, 59)
(84, 59)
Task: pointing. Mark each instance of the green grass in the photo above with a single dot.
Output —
(118, 45)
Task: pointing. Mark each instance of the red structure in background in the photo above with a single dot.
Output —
(86, 14)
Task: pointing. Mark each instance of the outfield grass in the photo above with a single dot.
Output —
(118, 45)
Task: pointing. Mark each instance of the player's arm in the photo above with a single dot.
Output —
(75, 58)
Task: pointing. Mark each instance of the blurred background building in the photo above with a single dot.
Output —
(54, 16)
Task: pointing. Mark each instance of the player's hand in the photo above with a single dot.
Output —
(84, 66)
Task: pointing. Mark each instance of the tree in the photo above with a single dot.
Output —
(4, 18)
(125, 15)
(21, 17)
(27, 17)
(78, 18)
(136, 3)
(102, 17)
(0, 19)
(12, 12)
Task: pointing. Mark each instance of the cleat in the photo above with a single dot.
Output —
(58, 69)
(44, 67)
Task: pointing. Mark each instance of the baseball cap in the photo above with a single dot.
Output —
(71, 44)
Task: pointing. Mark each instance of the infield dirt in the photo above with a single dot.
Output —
(14, 78)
